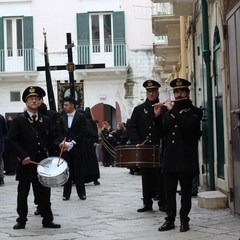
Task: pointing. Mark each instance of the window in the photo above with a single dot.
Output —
(101, 31)
(101, 38)
(14, 35)
(15, 97)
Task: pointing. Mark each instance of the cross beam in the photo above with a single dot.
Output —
(70, 67)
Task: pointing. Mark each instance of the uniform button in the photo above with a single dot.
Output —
(38, 151)
(175, 126)
(173, 133)
(173, 141)
(150, 141)
(39, 143)
(149, 134)
(150, 127)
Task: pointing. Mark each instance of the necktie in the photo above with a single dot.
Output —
(34, 118)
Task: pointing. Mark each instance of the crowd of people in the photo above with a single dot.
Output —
(173, 126)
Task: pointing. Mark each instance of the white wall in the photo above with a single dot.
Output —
(58, 18)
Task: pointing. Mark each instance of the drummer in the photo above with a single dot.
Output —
(145, 128)
(30, 136)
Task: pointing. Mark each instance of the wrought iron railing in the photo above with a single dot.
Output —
(84, 52)
(28, 63)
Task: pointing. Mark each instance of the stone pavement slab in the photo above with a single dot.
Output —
(110, 213)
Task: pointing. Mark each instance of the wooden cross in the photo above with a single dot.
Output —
(70, 67)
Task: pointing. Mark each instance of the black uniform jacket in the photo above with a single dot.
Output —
(181, 127)
(34, 140)
(143, 124)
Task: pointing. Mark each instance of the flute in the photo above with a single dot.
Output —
(173, 101)
(179, 99)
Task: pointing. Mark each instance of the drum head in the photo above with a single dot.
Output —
(49, 167)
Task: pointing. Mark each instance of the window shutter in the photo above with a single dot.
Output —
(28, 43)
(119, 39)
(2, 65)
(83, 38)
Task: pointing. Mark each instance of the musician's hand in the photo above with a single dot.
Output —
(26, 161)
(63, 146)
(157, 107)
(168, 103)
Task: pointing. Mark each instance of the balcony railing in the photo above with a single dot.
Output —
(161, 9)
(29, 60)
(24, 61)
(2, 65)
(118, 51)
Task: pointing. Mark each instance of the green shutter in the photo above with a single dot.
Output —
(83, 38)
(2, 65)
(28, 43)
(119, 39)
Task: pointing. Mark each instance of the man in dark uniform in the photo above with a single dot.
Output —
(31, 138)
(54, 118)
(145, 128)
(73, 129)
(181, 127)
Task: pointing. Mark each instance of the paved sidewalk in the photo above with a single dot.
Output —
(110, 213)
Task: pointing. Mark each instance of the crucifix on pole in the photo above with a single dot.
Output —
(71, 67)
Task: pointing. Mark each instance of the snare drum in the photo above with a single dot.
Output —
(145, 156)
(52, 174)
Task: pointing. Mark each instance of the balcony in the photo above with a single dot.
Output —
(180, 7)
(113, 55)
(167, 25)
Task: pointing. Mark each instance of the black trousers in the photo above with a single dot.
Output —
(44, 201)
(76, 173)
(149, 185)
(171, 181)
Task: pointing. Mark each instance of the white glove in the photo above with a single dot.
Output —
(69, 146)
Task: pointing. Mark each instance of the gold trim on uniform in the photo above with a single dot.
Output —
(30, 120)
(145, 110)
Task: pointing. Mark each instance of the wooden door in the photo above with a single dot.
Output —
(233, 20)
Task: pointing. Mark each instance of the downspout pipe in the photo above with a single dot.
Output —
(206, 53)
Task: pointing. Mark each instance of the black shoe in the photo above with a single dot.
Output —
(66, 198)
(162, 209)
(168, 225)
(19, 226)
(145, 209)
(96, 182)
(194, 194)
(1, 181)
(184, 227)
(82, 197)
(51, 225)
(10, 173)
(37, 212)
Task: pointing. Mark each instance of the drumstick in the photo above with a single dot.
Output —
(38, 164)
(61, 151)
